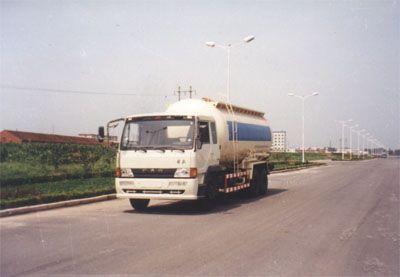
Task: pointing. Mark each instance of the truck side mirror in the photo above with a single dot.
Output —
(100, 136)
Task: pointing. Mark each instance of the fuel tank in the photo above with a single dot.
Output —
(241, 132)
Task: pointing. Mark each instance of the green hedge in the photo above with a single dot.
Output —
(43, 162)
(53, 153)
(295, 157)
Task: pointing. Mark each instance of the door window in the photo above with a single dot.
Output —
(213, 132)
(204, 132)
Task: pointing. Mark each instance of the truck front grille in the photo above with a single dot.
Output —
(154, 191)
(153, 172)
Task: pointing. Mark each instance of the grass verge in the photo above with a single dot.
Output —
(40, 193)
(283, 166)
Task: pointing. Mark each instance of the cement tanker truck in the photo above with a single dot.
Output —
(197, 149)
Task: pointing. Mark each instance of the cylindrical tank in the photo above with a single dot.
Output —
(240, 131)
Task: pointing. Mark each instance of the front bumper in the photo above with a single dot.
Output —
(160, 189)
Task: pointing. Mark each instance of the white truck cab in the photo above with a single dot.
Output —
(165, 157)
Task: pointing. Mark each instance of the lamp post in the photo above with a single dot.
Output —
(351, 146)
(358, 141)
(373, 147)
(364, 137)
(343, 122)
(228, 47)
(303, 98)
(369, 144)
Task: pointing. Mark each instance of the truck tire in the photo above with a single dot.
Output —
(255, 182)
(263, 181)
(209, 200)
(212, 191)
(211, 181)
(139, 204)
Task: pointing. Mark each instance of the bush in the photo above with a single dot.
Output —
(43, 162)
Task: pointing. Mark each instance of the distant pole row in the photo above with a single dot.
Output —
(369, 143)
(367, 137)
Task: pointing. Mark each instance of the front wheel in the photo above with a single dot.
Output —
(139, 204)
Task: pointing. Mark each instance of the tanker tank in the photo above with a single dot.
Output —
(240, 131)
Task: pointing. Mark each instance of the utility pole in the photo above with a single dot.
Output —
(190, 92)
(179, 92)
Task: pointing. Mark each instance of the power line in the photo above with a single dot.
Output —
(36, 89)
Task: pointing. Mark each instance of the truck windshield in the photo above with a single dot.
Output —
(158, 134)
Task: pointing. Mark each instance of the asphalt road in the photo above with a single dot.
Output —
(340, 219)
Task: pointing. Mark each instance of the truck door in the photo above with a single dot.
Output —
(214, 146)
(203, 148)
(208, 153)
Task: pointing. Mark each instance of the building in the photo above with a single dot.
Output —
(7, 136)
(278, 141)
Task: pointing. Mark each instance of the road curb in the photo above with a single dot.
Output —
(50, 206)
(296, 168)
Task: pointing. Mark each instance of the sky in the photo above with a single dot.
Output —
(67, 67)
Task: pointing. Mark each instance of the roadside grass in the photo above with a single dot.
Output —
(338, 157)
(281, 161)
(27, 163)
(21, 173)
(40, 193)
(293, 157)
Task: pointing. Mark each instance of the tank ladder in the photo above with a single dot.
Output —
(231, 112)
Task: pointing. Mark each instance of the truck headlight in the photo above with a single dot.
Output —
(127, 172)
(186, 173)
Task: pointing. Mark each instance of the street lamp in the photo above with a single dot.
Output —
(351, 146)
(374, 146)
(359, 132)
(228, 47)
(365, 135)
(303, 98)
(369, 144)
(343, 122)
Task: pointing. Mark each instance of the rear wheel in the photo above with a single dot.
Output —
(255, 182)
(259, 183)
(139, 204)
(263, 181)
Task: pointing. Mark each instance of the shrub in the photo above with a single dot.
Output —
(42, 162)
